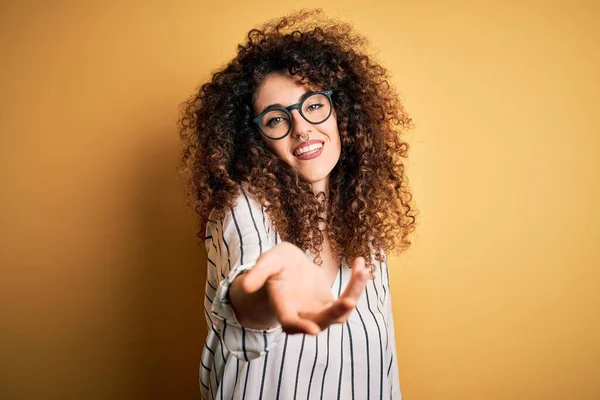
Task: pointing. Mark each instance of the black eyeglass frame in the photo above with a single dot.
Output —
(288, 112)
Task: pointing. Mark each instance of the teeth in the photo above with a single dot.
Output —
(307, 149)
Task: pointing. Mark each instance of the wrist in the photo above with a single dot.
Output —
(252, 310)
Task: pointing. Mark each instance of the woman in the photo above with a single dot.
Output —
(293, 153)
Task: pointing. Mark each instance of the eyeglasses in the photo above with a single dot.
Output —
(276, 122)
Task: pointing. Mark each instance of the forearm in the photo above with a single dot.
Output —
(252, 310)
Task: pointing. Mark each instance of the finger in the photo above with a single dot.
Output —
(358, 280)
(290, 320)
(300, 325)
(337, 311)
(257, 276)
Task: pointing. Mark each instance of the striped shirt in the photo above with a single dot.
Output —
(353, 360)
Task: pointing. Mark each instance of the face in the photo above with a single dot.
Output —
(314, 159)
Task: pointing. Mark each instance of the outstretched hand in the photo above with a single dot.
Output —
(300, 292)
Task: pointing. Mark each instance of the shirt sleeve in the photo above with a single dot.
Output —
(233, 245)
(393, 374)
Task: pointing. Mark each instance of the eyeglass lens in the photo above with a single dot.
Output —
(315, 109)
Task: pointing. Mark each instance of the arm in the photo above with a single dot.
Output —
(252, 310)
(233, 246)
(265, 280)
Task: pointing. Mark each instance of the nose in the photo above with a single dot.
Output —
(300, 126)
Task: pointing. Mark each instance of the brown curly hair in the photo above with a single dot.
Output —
(369, 208)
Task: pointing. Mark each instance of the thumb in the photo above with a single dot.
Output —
(266, 266)
(359, 264)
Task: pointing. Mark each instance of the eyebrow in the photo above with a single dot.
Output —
(279, 105)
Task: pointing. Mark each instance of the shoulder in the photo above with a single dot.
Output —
(244, 229)
(246, 211)
(246, 206)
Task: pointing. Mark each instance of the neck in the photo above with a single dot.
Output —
(321, 186)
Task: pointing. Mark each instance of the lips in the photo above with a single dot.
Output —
(312, 147)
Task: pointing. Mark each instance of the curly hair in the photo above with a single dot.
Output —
(369, 208)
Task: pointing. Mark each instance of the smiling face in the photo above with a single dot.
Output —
(314, 159)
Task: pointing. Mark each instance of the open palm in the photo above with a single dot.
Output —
(300, 292)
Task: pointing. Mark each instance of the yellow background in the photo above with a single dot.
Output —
(101, 276)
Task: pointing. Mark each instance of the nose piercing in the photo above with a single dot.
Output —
(304, 140)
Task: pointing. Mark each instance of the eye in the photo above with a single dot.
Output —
(274, 121)
(314, 107)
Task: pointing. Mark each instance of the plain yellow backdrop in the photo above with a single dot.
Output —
(102, 278)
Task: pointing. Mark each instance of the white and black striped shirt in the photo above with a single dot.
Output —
(353, 360)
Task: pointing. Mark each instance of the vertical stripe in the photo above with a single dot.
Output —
(222, 343)
(264, 372)
(246, 382)
(215, 332)
(262, 210)
(368, 354)
(282, 361)
(212, 394)
(253, 222)
(340, 283)
(382, 283)
(387, 336)
(226, 246)
(380, 346)
(313, 367)
(237, 227)
(262, 384)
(339, 393)
(244, 343)
(220, 249)
(266, 341)
(299, 362)
(387, 273)
(351, 358)
(326, 364)
(237, 372)
(222, 386)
